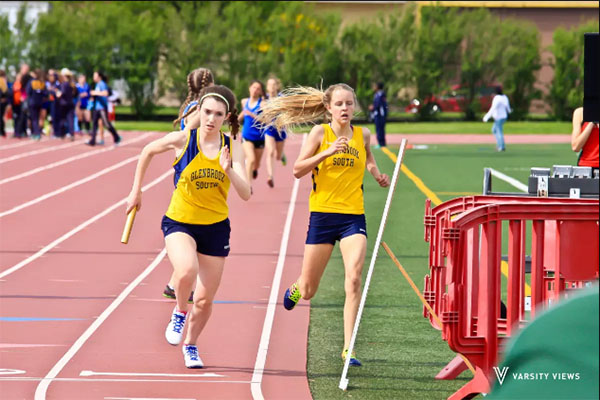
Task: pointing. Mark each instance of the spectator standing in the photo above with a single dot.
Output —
(66, 95)
(499, 110)
(584, 139)
(100, 94)
(52, 86)
(379, 112)
(21, 123)
(36, 94)
(5, 99)
(83, 114)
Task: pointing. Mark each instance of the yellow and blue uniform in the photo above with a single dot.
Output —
(336, 202)
(198, 205)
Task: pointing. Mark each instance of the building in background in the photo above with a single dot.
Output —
(547, 16)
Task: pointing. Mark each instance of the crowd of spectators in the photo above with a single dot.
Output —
(55, 103)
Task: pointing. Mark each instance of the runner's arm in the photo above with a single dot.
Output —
(173, 141)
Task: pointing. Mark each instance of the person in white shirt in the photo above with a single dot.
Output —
(499, 111)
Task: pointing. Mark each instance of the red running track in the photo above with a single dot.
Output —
(82, 316)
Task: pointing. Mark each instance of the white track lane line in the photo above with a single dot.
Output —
(146, 398)
(40, 151)
(263, 347)
(71, 159)
(202, 375)
(78, 228)
(68, 187)
(40, 391)
(15, 145)
(38, 379)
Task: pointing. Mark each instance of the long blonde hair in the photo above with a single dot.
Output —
(299, 105)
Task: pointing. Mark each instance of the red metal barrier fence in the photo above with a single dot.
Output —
(464, 285)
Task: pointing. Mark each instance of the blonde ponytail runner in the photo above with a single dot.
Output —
(296, 106)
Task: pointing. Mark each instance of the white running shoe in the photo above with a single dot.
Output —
(174, 332)
(191, 357)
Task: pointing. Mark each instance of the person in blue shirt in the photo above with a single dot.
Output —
(100, 111)
(379, 111)
(253, 140)
(84, 116)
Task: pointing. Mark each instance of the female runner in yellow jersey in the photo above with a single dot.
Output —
(337, 154)
(197, 80)
(196, 224)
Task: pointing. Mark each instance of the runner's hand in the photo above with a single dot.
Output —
(134, 200)
(340, 144)
(225, 159)
(383, 180)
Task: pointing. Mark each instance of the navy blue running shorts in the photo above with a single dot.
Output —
(211, 240)
(258, 144)
(330, 227)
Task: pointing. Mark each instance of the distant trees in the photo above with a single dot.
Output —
(433, 47)
(154, 45)
(121, 39)
(242, 41)
(379, 51)
(566, 90)
(15, 45)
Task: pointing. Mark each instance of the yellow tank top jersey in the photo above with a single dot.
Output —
(201, 185)
(338, 180)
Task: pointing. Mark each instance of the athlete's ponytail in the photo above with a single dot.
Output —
(298, 105)
(197, 80)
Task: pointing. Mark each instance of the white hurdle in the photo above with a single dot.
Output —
(343, 380)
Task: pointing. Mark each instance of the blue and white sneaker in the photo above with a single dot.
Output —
(191, 357)
(174, 332)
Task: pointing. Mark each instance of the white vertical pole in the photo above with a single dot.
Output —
(343, 380)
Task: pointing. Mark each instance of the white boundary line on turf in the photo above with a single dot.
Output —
(265, 337)
(78, 228)
(343, 380)
(68, 187)
(521, 186)
(40, 151)
(40, 391)
(70, 159)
